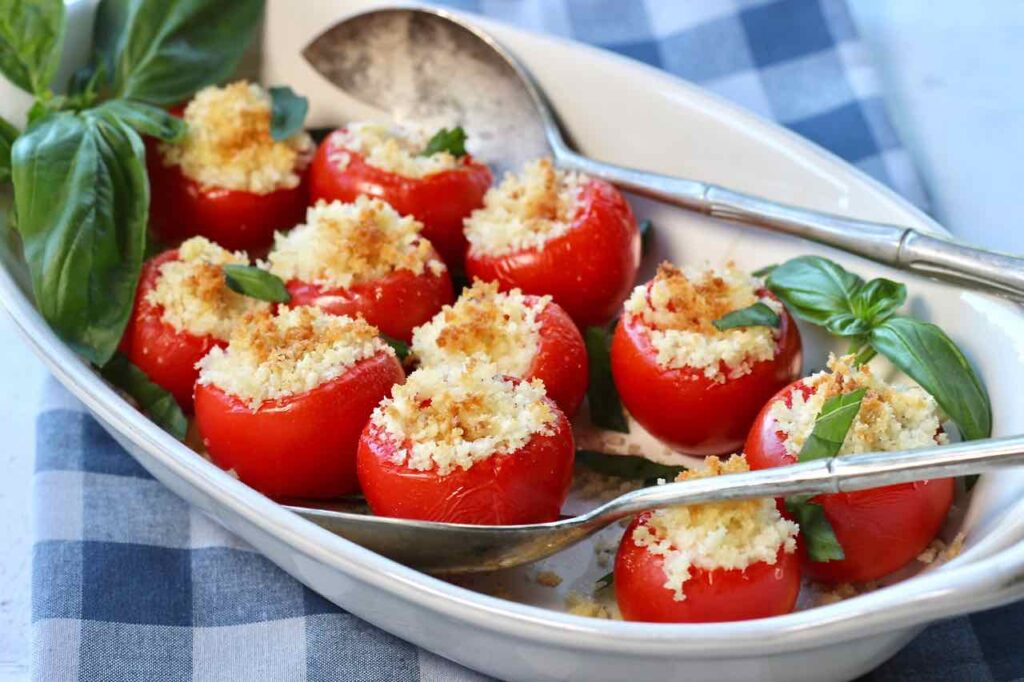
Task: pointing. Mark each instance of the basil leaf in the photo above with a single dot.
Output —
(82, 201)
(929, 357)
(832, 425)
(287, 112)
(645, 228)
(452, 141)
(31, 38)
(819, 536)
(627, 466)
(401, 347)
(8, 134)
(878, 299)
(605, 581)
(162, 51)
(602, 396)
(814, 288)
(155, 402)
(847, 324)
(765, 271)
(254, 282)
(756, 315)
(146, 119)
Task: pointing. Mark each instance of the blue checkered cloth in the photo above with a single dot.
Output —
(129, 583)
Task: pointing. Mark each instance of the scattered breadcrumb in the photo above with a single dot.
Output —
(588, 484)
(938, 552)
(837, 593)
(548, 579)
(581, 605)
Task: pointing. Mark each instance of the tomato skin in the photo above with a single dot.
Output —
(759, 591)
(300, 446)
(880, 530)
(395, 304)
(561, 359)
(684, 408)
(589, 270)
(167, 356)
(440, 201)
(528, 486)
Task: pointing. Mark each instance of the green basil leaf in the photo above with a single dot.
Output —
(8, 134)
(627, 466)
(765, 271)
(254, 282)
(602, 396)
(287, 112)
(878, 299)
(146, 119)
(401, 347)
(605, 581)
(444, 140)
(82, 200)
(847, 324)
(929, 357)
(155, 402)
(819, 536)
(646, 230)
(832, 425)
(814, 288)
(31, 38)
(162, 51)
(756, 315)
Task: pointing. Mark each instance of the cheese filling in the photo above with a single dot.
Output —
(393, 149)
(677, 309)
(501, 328)
(721, 535)
(193, 295)
(270, 357)
(450, 417)
(890, 417)
(526, 210)
(228, 143)
(344, 244)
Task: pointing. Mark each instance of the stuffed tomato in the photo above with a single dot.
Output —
(439, 189)
(363, 258)
(547, 231)
(525, 336)
(229, 180)
(284, 403)
(723, 561)
(690, 384)
(466, 444)
(879, 530)
(183, 308)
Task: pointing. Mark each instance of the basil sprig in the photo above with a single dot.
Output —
(755, 315)
(821, 292)
(602, 396)
(818, 534)
(255, 282)
(287, 112)
(627, 466)
(155, 402)
(832, 425)
(444, 140)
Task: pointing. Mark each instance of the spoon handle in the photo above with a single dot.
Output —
(838, 474)
(902, 247)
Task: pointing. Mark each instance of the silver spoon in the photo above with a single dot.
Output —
(430, 65)
(450, 548)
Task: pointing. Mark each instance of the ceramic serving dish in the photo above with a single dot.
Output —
(525, 635)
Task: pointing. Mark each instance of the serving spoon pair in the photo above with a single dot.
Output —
(431, 64)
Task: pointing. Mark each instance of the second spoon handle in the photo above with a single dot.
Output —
(902, 247)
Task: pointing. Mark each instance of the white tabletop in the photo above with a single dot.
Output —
(950, 75)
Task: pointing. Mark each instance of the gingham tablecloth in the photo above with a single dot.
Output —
(129, 583)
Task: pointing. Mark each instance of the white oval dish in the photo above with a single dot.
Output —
(688, 132)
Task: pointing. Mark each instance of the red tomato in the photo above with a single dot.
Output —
(758, 591)
(561, 359)
(167, 356)
(880, 530)
(440, 201)
(300, 446)
(684, 408)
(526, 486)
(395, 304)
(589, 270)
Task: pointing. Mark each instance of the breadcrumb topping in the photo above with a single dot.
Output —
(526, 210)
(453, 416)
(396, 149)
(494, 327)
(678, 307)
(270, 357)
(344, 244)
(228, 143)
(581, 605)
(727, 535)
(890, 418)
(193, 295)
